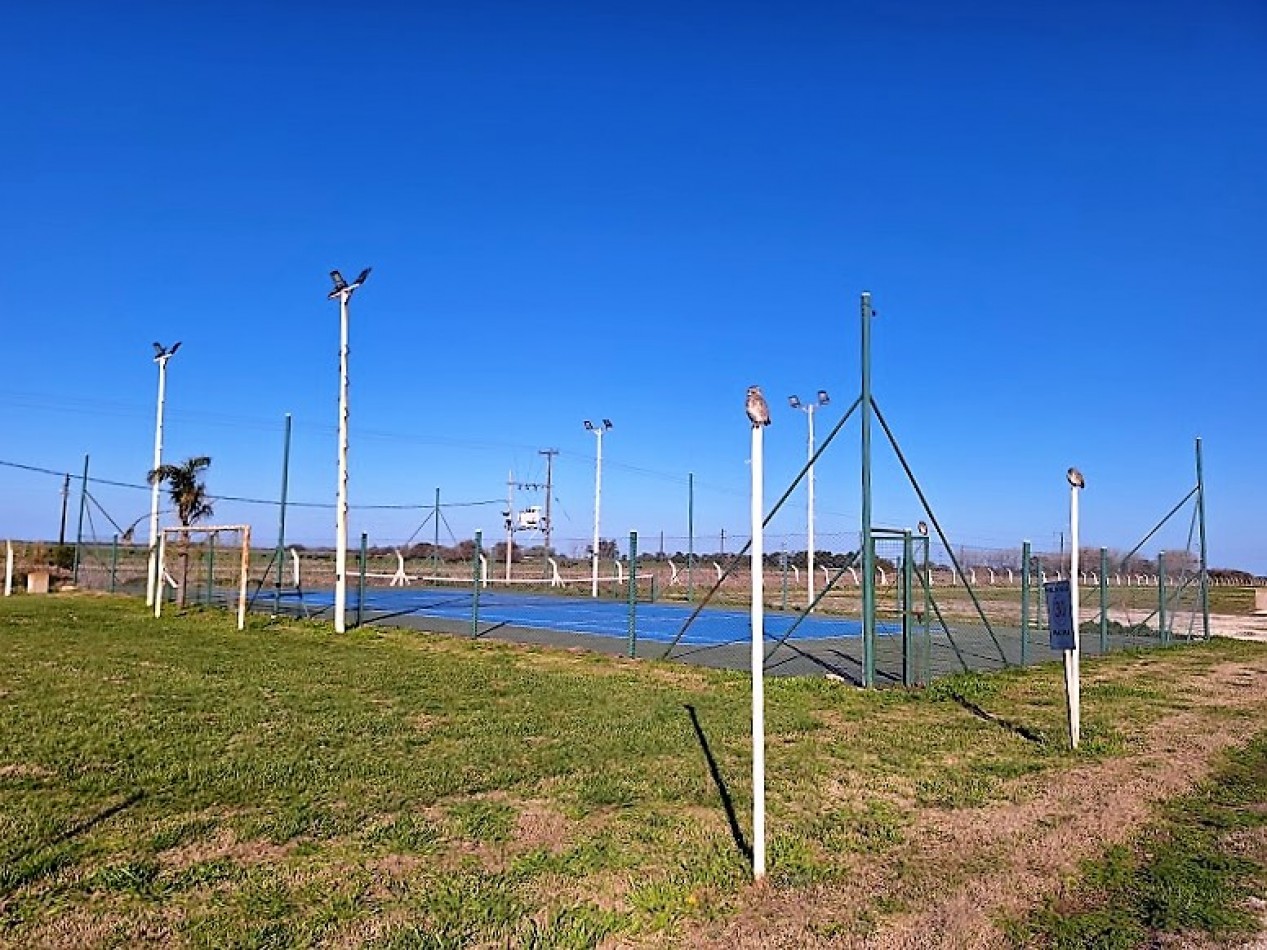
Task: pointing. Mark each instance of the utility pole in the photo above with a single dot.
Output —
(549, 454)
(513, 522)
(61, 532)
(510, 518)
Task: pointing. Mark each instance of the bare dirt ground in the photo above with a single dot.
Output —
(1252, 627)
(965, 870)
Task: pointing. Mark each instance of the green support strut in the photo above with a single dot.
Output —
(868, 551)
(1104, 601)
(633, 593)
(1025, 562)
(475, 594)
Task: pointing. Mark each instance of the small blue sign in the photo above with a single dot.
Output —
(1059, 614)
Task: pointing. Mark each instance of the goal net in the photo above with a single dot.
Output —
(204, 564)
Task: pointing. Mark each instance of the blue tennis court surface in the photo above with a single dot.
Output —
(604, 618)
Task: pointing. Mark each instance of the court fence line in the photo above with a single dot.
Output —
(928, 625)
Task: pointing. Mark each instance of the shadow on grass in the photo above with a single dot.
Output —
(1025, 732)
(727, 804)
(43, 859)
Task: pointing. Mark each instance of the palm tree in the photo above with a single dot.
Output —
(189, 496)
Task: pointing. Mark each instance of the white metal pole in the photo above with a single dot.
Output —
(809, 596)
(8, 568)
(341, 513)
(598, 496)
(1073, 683)
(160, 558)
(758, 660)
(243, 569)
(152, 579)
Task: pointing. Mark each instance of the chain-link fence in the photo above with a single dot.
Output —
(934, 614)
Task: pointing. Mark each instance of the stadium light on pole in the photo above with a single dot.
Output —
(161, 356)
(598, 431)
(808, 408)
(343, 293)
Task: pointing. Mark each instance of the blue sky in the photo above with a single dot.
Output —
(636, 211)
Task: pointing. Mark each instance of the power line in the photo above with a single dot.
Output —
(241, 499)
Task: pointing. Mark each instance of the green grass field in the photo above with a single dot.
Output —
(177, 781)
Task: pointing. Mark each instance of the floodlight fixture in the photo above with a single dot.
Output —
(922, 528)
(607, 423)
(589, 426)
(1075, 478)
(823, 398)
(161, 352)
(794, 402)
(342, 287)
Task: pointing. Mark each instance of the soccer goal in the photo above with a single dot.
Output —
(205, 564)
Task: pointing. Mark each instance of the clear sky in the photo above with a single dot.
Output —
(636, 211)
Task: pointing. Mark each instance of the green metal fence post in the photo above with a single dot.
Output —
(1161, 598)
(868, 552)
(928, 612)
(633, 593)
(475, 594)
(1025, 559)
(1205, 576)
(1104, 601)
(435, 542)
(280, 554)
(690, 537)
(114, 562)
(908, 652)
(360, 586)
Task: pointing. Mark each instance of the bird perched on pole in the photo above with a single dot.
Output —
(758, 410)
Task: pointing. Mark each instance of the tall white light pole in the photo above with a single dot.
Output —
(759, 415)
(161, 356)
(343, 292)
(598, 431)
(808, 408)
(758, 652)
(1073, 676)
